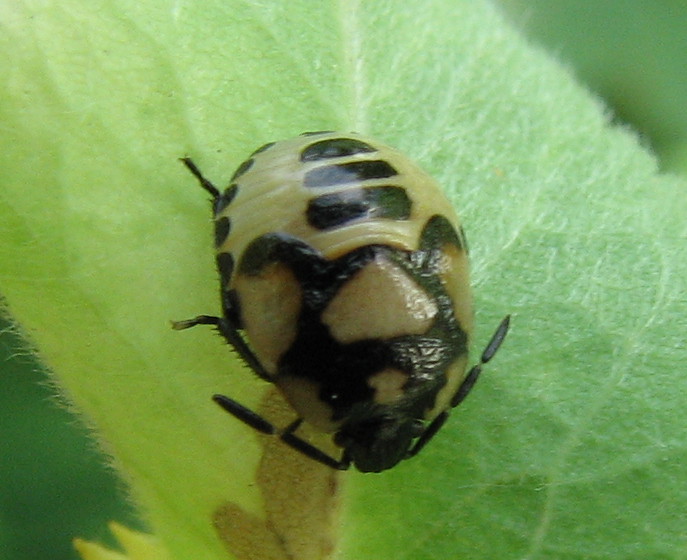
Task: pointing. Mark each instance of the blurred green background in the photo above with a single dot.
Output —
(53, 485)
(632, 53)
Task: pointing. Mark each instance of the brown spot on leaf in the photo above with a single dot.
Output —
(301, 499)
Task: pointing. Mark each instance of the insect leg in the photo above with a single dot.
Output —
(257, 422)
(293, 441)
(246, 415)
(205, 183)
(231, 333)
(487, 354)
(428, 434)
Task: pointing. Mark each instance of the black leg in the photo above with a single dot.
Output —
(246, 415)
(231, 333)
(428, 434)
(466, 386)
(257, 422)
(311, 451)
(496, 340)
(487, 354)
(199, 320)
(205, 183)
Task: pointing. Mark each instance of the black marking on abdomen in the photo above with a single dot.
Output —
(438, 231)
(351, 172)
(263, 148)
(232, 308)
(222, 229)
(225, 198)
(342, 370)
(276, 247)
(225, 266)
(463, 240)
(335, 147)
(337, 209)
(436, 235)
(245, 166)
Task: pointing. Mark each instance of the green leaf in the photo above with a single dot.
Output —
(571, 446)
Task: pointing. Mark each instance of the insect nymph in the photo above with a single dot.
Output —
(344, 281)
